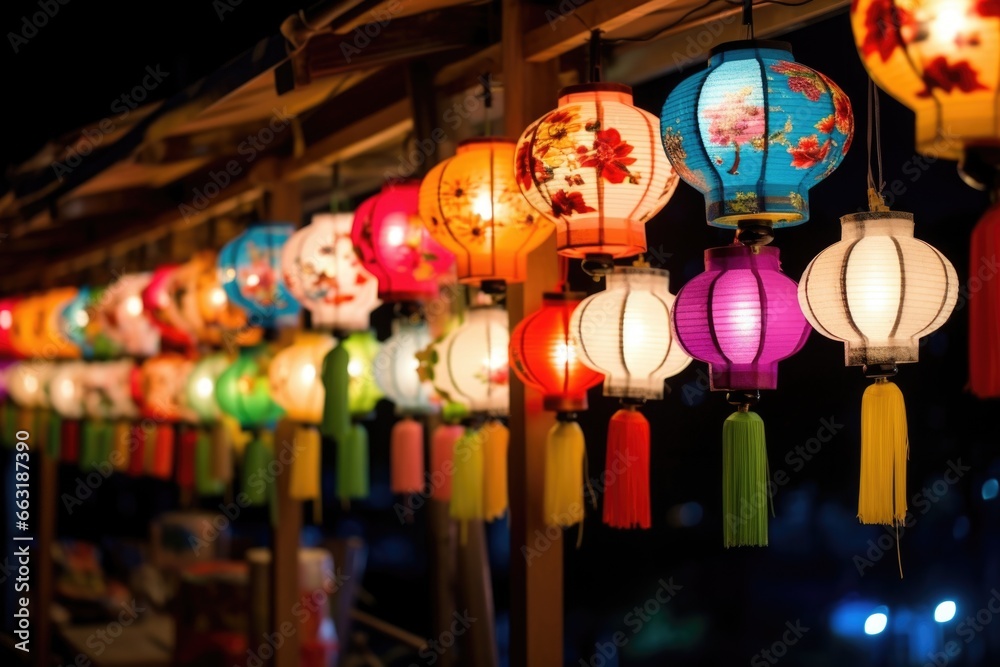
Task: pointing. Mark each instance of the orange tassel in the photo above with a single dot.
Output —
(163, 452)
(406, 444)
(626, 496)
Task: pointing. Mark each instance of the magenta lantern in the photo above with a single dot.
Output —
(741, 316)
(397, 248)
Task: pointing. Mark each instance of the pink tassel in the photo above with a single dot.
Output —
(442, 468)
(406, 445)
(626, 496)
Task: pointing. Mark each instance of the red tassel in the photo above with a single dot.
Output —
(442, 450)
(137, 461)
(984, 316)
(70, 435)
(626, 493)
(406, 445)
(186, 457)
(163, 452)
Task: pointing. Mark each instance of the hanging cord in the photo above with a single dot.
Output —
(487, 80)
(595, 56)
(875, 200)
(748, 17)
(336, 200)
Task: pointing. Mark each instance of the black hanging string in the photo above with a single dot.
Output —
(487, 81)
(595, 56)
(748, 17)
(875, 199)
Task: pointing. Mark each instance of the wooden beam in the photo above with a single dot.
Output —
(536, 585)
(563, 32)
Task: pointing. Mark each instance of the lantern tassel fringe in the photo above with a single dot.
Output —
(626, 497)
(352, 465)
(884, 451)
(495, 438)
(564, 474)
(442, 455)
(745, 495)
(406, 447)
(467, 481)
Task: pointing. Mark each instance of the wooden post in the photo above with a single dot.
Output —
(536, 596)
(285, 205)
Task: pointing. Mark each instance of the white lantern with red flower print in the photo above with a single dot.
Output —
(470, 364)
(125, 318)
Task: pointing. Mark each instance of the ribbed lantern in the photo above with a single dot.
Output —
(879, 290)
(244, 391)
(250, 273)
(200, 388)
(754, 131)
(940, 58)
(7, 307)
(624, 333)
(545, 357)
(595, 167)
(397, 375)
(742, 317)
(472, 205)
(161, 306)
(470, 364)
(984, 306)
(325, 274)
(208, 311)
(123, 316)
(66, 389)
(37, 329)
(396, 248)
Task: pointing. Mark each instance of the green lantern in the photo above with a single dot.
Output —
(362, 390)
(200, 390)
(244, 392)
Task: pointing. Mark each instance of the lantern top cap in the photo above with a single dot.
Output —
(876, 223)
(739, 256)
(596, 87)
(563, 296)
(869, 216)
(395, 183)
(751, 45)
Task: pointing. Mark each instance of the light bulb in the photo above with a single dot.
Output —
(395, 236)
(483, 206)
(204, 387)
(81, 318)
(5, 319)
(133, 306)
(308, 373)
(253, 280)
(354, 368)
(217, 296)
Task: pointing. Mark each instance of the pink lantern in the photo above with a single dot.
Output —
(164, 310)
(397, 248)
(741, 316)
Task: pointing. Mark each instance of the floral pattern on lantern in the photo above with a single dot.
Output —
(469, 365)
(397, 369)
(37, 327)
(363, 392)
(878, 289)
(741, 316)
(472, 205)
(107, 390)
(594, 167)
(123, 317)
(395, 246)
(296, 382)
(82, 325)
(940, 58)
(250, 274)
(754, 131)
(158, 387)
(325, 274)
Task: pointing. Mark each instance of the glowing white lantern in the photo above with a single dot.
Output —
(66, 389)
(107, 390)
(28, 383)
(124, 317)
(878, 289)
(296, 378)
(396, 369)
(624, 332)
(471, 365)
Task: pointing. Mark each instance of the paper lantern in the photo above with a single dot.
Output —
(544, 356)
(362, 390)
(940, 58)
(66, 389)
(201, 383)
(28, 382)
(250, 273)
(6, 365)
(396, 248)
(595, 167)
(107, 390)
(160, 304)
(397, 375)
(879, 290)
(624, 332)
(327, 277)
(741, 316)
(472, 205)
(243, 391)
(296, 380)
(984, 313)
(754, 131)
(206, 308)
(158, 386)
(7, 306)
(81, 324)
(36, 326)
(124, 319)
(470, 363)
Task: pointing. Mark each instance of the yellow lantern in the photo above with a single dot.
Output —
(472, 205)
(940, 58)
(296, 378)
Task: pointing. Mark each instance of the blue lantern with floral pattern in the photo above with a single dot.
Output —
(250, 273)
(754, 131)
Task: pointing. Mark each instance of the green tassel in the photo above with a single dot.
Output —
(90, 446)
(336, 422)
(54, 441)
(352, 464)
(205, 483)
(254, 482)
(744, 480)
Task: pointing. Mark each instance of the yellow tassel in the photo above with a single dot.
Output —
(495, 437)
(884, 451)
(237, 436)
(564, 474)
(305, 471)
(121, 444)
(467, 480)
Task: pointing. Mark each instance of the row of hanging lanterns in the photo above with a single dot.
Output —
(753, 132)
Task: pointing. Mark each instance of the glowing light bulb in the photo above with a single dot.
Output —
(876, 623)
(31, 383)
(308, 373)
(483, 206)
(395, 236)
(949, 23)
(354, 368)
(253, 280)
(5, 319)
(217, 296)
(204, 387)
(81, 318)
(133, 306)
(66, 388)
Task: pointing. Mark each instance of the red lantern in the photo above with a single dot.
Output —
(397, 248)
(7, 326)
(163, 309)
(984, 315)
(157, 387)
(544, 356)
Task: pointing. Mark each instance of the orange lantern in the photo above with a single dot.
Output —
(158, 388)
(36, 326)
(472, 206)
(206, 308)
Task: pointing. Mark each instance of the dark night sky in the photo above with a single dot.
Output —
(733, 603)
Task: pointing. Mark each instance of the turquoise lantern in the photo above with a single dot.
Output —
(250, 273)
(754, 131)
(80, 324)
